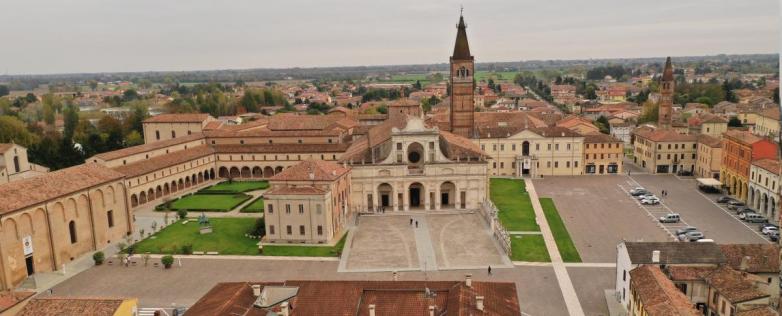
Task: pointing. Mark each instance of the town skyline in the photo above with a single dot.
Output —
(125, 38)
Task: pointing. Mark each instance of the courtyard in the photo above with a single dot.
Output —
(441, 241)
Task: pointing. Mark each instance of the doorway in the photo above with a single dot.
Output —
(384, 201)
(415, 194)
(29, 263)
(444, 199)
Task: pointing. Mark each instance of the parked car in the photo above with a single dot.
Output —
(670, 218)
(705, 240)
(774, 236)
(743, 215)
(691, 236)
(734, 204)
(638, 191)
(709, 189)
(770, 229)
(684, 173)
(744, 209)
(756, 218)
(650, 200)
(724, 199)
(645, 196)
(763, 226)
(682, 231)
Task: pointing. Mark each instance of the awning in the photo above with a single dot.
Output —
(710, 182)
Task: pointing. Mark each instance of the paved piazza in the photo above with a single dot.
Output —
(440, 242)
(591, 204)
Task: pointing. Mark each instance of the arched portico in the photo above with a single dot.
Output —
(416, 194)
(385, 193)
(447, 195)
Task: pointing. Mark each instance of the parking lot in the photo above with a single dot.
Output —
(599, 213)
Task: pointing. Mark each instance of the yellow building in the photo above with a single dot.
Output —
(170, 126)
(603, 154)
(534, 152)
(664, 151)
(767, 123)
(709, 157)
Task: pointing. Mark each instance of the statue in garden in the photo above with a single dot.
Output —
(203, 220)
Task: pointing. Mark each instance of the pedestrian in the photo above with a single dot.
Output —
(489, 270)
(416, 224)
(411, 221)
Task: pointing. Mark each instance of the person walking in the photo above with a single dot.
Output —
(416, 224)
(489, 270)
(411, 221)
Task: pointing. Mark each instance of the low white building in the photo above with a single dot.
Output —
(623, 131)
(763, 194)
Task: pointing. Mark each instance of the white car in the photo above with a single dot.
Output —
(645, 196)
(650, 200)
(769, 229)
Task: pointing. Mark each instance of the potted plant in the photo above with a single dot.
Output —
(167, 261)
(182, 213)
(98, 257)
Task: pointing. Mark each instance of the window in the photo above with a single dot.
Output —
(301, 230)
(271, 229)
(301, 208)
(173, 134)
(271, 209)
(72, 230)
(537, 147)
(556, 164)
(624, 275)
(320, 230)
(502, 147)
(575, 164)
(549, 147)
(567, 164)
(556, 146)
(289, 230)
(483, 147)
(513, 147)
(502, 165)
(568, 146)
(110, 218)
(287, 208)
(157, 135)
(494, 147)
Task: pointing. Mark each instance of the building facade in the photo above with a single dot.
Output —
(603, 154)
(739, 149)
(664, 151)
(709, 157)
(763, 197)
(170, 126)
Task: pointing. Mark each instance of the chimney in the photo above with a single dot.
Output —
(431, 310)
(256, 290)
(284, 309)
(468, 280)
(371, 309)
(479, 303)
(655, 256)
(744, 264)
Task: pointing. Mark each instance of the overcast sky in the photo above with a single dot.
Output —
(64, 36)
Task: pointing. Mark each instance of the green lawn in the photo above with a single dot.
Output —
(254, 207)
(237, 186)
(209, 202)
(305, 251)
(227, 238)
(529, 248)
(496, 76)
(565, 245)
(510, 197)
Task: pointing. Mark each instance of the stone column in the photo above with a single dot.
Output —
(457, 198)
(425, 193)
(437, 198)
(405, 198)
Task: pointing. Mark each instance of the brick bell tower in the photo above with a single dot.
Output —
(666, 101)
(462, 112)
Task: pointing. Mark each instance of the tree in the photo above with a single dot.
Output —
(4, 91)
(93, 84)
(650, 112)
(603, 124)
(729, 95)
(71, 119)
(735, 122)
(133, 138)
(13, 130)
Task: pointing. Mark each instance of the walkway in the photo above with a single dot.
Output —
(423, 241)
(237, 211)
(565, 284)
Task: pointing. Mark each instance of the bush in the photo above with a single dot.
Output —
(182, 214)
(98, 257)
(187, 249)
(167, 261)
(259, 229)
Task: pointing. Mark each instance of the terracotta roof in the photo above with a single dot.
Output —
(762, 258)
(291, 121)
(554, 131)
(659, 296)
(280, 148)
(57, 306)
(378, 117)
(742, 136)
(326, 298)
(31, 191)
(710, 141)
(164, 161)
(688, 273)
(295, 191)
(125, 152)
(600, 138)
(9, 299)
(760, 311)
(733, 286)
(5, 147)
(315, 170)
(664, 135)
(458, 147)
(770, 165)
(503, 124)
(675, 252)
(213, 125)
(770, 113)
(178, 118)
(382, 132)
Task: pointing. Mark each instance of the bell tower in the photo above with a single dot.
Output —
(665, 111)
(462, 112)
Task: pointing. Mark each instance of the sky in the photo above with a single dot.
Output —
(80, 36)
